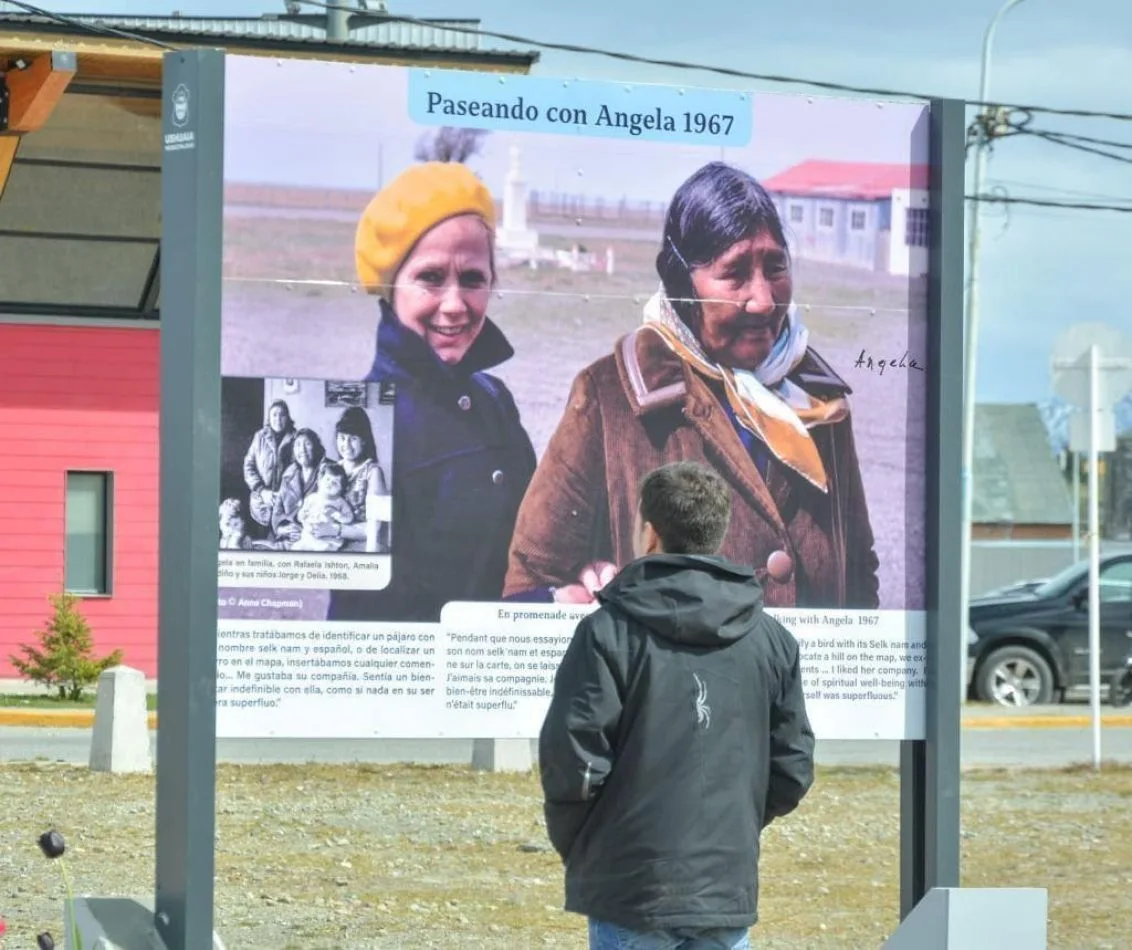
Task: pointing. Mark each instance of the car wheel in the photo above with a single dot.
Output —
(1016, 676)
(1120, 693)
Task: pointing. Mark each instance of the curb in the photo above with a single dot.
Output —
(84, 719)
(54, 719)
(1046, 722)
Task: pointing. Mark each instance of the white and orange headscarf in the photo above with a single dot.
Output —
(773, 408)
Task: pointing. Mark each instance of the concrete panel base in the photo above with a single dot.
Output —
(115, 923)
(976, 918)
(502, 755)
(120, 741)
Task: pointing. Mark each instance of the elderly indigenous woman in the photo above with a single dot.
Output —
(461, 457)
(267, 458)
(719, 371)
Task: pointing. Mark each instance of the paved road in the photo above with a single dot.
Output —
(1034, 748)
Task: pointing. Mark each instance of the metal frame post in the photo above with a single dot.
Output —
(929, 769)
(337, 20)
(191, 202)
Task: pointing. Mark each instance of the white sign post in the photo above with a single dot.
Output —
(1092, 368)
(1094, 553)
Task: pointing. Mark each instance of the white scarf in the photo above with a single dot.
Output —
(764, 399)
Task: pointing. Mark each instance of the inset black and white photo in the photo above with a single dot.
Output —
(306, 483)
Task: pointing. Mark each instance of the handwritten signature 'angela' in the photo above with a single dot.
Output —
(866, 362)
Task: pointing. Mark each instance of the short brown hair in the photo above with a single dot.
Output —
(688, 505)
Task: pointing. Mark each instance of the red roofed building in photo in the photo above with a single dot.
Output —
(861, 214)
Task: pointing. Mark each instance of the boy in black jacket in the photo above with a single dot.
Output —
(677, 731)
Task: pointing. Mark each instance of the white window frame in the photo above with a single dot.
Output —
(922, 228)
(106, 588)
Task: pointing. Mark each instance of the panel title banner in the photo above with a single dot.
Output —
(580, 107)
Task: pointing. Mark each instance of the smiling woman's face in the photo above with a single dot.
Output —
(349, 447)
(303, 451)
(277, 419)
(744, 295)
(442, 289)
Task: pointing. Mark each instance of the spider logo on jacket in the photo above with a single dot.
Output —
(703, 710)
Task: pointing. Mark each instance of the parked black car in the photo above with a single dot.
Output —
(1031, 646)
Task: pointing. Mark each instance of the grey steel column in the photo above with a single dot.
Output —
(929, 770)
(337, 20)
(191, 202)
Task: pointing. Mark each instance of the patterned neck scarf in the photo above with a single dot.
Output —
(777, 411)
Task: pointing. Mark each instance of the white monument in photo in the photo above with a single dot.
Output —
(514, 235)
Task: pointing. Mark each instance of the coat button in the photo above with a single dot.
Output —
(464, 402)
(497, 477)
(780, 566)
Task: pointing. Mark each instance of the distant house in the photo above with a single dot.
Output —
(862, 214)
(1020, 492)
(1117, 504)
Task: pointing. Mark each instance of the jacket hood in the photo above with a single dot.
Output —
(690, 599)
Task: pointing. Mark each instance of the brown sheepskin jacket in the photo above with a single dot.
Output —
(642, 407)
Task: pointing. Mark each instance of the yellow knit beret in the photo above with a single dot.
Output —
(404, 210)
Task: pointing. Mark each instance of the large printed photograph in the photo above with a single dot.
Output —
(557, 315)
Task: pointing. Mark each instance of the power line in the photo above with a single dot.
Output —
(1088, 149)
(1045, 203)
(96, 28)
(879, 93)
(1074, 192)
(999, 125)
(1092, 141)
(619, 55)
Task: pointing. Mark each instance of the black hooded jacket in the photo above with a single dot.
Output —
(677, 731)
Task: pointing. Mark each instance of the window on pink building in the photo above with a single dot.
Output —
(89, 532)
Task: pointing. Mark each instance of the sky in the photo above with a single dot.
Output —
(1042, 269)
(306, 117)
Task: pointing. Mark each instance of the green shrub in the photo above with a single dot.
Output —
(64, 657)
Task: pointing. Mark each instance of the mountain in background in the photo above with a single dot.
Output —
(1056, 412)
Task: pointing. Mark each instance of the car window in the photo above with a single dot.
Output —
(1116, 583)
(1062, 581)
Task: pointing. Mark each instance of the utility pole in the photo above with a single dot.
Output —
(990, 123)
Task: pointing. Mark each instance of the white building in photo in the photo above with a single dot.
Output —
(869, 215)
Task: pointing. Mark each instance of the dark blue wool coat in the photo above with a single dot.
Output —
(461, 464)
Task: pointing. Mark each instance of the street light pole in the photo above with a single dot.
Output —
(982, 148)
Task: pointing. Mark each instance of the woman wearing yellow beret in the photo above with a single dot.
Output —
(425, 248)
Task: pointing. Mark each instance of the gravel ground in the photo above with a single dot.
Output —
(335, 856)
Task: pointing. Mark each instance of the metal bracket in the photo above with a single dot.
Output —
(33, 87)
(5, 96)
